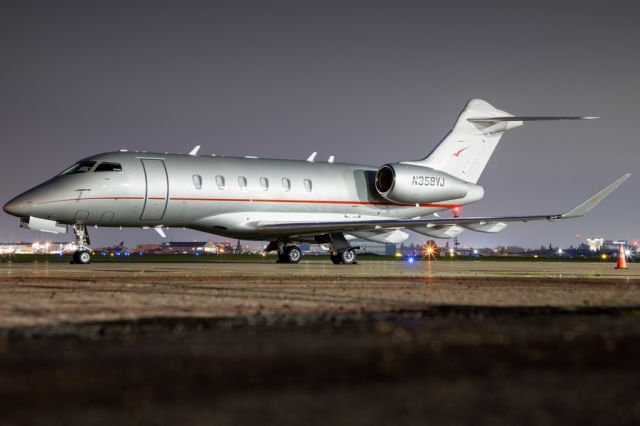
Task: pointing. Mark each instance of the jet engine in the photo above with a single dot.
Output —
(410, 184)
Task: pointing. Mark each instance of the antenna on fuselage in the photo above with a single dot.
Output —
(312, 157)
(160, 231)
(195, 150)
(331, 158)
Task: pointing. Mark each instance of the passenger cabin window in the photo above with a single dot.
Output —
(220, 182)
(242, 182)
(286, 184)
(197, 181)
(108, 167)
(264, 184)
(307, 185)
(79, 167)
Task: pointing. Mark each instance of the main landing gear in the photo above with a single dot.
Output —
(345, 257)
(341, 252)
(290, 254)
(287, 253)
(82, 255)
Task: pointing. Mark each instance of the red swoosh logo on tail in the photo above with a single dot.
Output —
(457, 153)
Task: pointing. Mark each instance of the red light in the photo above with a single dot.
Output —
(635, 243)
(456, 211)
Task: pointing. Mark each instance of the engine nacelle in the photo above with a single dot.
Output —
(409, 184)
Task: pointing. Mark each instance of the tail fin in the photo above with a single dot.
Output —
(466, 150)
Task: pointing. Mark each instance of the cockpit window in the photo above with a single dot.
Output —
(108, 167)
(79, 167)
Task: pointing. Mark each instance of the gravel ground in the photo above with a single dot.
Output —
(458, 343)
(47, 294)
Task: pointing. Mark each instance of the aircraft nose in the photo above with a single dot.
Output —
(16, 207)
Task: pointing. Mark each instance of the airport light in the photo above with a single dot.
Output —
(604, 256)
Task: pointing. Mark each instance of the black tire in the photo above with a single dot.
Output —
(82, 257)
(75, 259)
(335, 259)
(294, 254)
(282, 257)
(348, 257)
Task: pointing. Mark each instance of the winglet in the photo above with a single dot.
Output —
(584, 207)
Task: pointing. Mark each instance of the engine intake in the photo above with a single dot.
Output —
(409, 184)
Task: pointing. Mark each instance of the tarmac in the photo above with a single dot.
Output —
(444, 342)
(55, 293)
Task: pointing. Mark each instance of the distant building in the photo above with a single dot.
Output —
(47, 247)
(595, 244)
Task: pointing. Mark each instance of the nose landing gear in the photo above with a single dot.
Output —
(82, 255)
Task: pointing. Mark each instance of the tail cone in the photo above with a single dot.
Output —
(622, 258)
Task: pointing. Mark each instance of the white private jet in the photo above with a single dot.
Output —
(284, 201)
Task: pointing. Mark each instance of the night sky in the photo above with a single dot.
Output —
(369, 82)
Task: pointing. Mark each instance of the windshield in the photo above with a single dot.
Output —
(108, 167)
(79, 167)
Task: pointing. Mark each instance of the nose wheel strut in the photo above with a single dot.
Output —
(82, 255)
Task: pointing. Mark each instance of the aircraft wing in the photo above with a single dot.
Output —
(314, 228)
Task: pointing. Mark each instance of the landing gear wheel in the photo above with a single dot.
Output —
(293, 254)
(348, 257)
(335, 259)
(82, 257)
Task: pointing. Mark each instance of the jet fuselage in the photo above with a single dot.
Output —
(220, 195)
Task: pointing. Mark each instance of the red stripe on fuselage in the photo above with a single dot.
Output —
(358, 203)
(249, 200)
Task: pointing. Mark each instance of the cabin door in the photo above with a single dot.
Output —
(157, 189)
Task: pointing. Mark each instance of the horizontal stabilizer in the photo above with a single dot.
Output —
(499, 119)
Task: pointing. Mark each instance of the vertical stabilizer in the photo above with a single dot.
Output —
(466, 150)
